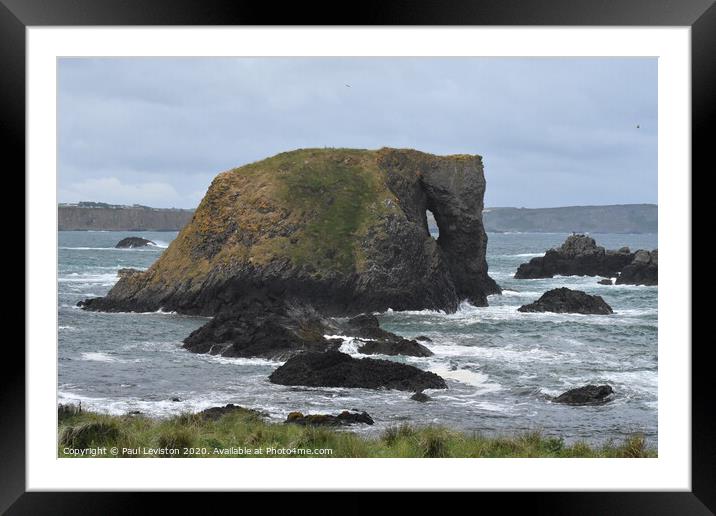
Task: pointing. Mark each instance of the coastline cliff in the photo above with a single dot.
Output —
(89, 216)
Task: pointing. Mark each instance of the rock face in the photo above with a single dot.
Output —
(587, 395)
(277, 329)
(263, 327)
(564, 300)
(344, 418)
(643, 270)
(579, 255)
(381, 342)
(132, 242)
(343, 230)
(335, 369)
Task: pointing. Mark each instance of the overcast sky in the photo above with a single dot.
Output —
(552, 132)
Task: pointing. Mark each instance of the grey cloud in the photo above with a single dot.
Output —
(551, 131)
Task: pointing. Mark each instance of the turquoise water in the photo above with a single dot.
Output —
(501, 365)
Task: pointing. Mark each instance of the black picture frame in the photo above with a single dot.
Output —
(17, 15)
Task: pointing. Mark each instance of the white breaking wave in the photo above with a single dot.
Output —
(88, 278)
(479, 380)
(98, 357)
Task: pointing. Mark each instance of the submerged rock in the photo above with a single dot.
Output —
(335, 369)
(343, 230)
(421, 397)
(605, 281)
(643, 270)
(579, 255)
(344, 418)
(564, 300)
(587, 395)
(132, 242)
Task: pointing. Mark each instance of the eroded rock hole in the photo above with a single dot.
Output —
(432, 225)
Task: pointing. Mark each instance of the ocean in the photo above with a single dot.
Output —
(501, 365)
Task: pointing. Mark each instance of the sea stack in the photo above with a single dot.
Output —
(343, 230)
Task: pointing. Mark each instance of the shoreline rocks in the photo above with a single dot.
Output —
(336, 369)
(262, 327)
(214, 413)
(277, 329)
(643, 270)
(586, 395)
(344, 418)
(379, 341)
(565, 300)
(579, 255)
(133, 242)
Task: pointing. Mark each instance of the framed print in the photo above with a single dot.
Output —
(412, 251)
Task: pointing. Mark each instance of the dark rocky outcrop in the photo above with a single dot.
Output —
(277, 329)
(401, 347)
(132, 242)
(264, 327)
(335, 369)
(564, 300)
(587, 395)
(643, 270)
(605, 281)
(379, 341)
(214, 413)
(344, 418)
(342, 230)
(579, 255)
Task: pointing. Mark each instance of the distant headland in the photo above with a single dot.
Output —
(99, 216)
(614, 218)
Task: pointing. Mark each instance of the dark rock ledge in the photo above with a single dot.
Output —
(132, 242)
(564, 300)
(335, 369)
(586, 395)
(272, 328)
(579, 255)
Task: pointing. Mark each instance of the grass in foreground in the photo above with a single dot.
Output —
(246, 434)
